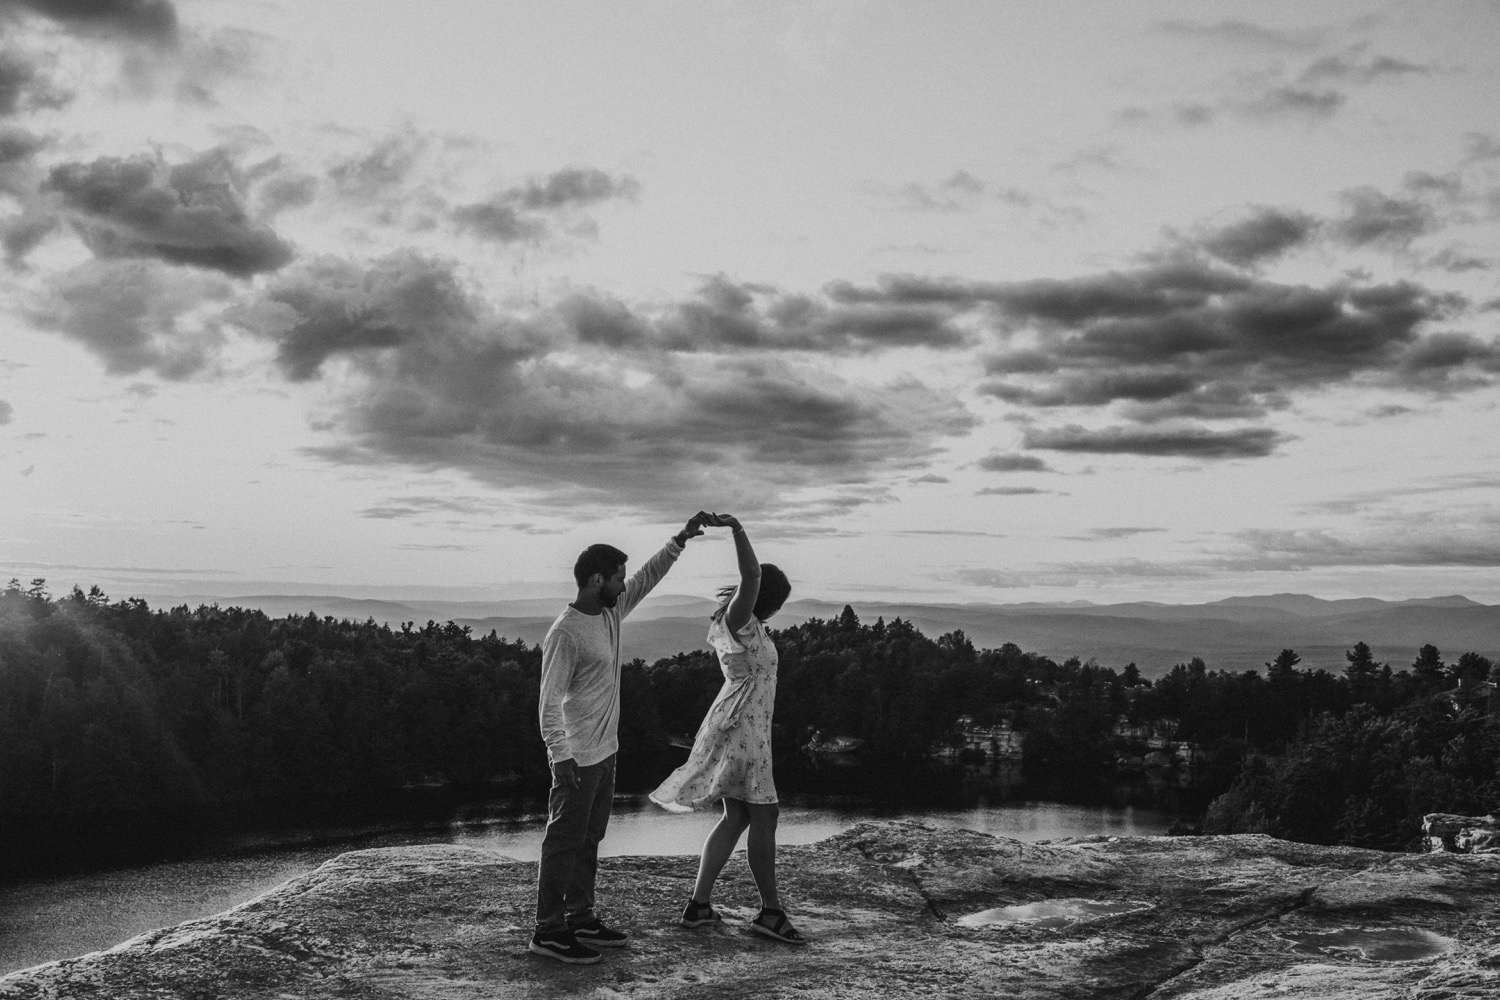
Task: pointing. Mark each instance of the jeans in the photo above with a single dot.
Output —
(576, 821)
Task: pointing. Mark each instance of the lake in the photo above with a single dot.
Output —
(65, 916)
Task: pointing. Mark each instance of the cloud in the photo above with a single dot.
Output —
(572, 187)
(1186, 442)
(192, 213)
(1455, 260)
(728, 316)
(1109, 534)
(149, 21)
(1243, 33)
(1349, 68)
(1376, 219)
(136, 315)
(1408, 545)
(1180, 338)
(1389, 410)
(960, 192)
(950, 532)
(522, 213)
(1266, 234)
(1012, 463)
(23, 88)
(993, 578)
(5, 412)
(375, 172)
(429, 375)
(1280, 102)
(1009, 491)
(1480, 146)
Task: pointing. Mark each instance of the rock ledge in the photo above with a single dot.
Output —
(891, 907)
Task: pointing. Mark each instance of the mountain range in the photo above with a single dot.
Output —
(1236, 633)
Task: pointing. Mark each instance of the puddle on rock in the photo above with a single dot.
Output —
(1385, 944)
(1050, 913)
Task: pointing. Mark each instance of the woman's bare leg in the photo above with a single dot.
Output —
(762, 851)
(719, 845)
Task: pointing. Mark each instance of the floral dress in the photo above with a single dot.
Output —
(731, 756)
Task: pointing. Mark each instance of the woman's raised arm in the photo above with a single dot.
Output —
(742, 604)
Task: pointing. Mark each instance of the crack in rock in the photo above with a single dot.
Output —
(1200, 948)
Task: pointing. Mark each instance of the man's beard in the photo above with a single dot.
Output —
(608, 602)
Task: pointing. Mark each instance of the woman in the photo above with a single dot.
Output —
(731, 756)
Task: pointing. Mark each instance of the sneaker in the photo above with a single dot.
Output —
(596, 934)
(696, 914)
(563, 946)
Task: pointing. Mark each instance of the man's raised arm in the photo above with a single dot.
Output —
(649, 575)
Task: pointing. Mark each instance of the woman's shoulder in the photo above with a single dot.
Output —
(721, 635)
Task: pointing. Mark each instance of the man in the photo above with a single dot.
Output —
(580, 717)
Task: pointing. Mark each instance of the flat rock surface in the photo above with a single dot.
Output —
(891, 908)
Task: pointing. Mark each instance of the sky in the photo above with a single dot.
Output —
(946, 301)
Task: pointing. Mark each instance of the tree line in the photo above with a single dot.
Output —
(113, 707)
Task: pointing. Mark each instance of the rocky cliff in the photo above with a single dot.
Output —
(893, 909)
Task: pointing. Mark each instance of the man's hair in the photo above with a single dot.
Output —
(602, 559)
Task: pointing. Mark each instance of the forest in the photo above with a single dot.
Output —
(113, 713)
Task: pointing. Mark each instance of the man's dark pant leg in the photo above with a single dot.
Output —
(580, 895)
(570, 846)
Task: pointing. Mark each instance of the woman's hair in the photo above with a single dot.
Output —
(775, 588)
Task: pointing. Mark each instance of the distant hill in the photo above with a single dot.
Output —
(1237, 633)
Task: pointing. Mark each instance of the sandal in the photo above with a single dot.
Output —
(779, 928)
(696, 914)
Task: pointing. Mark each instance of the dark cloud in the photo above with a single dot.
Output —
(1304, 102)
(150, 21)
(437, 379)
(1012, 463)
(1009, 491)
(17, 145)
(136, 315)
(23, 87)
(5, 412)
(930, 477)
(1264, 235)
(284, 191)
(1350, 68)
(1481, 146)
(498, 222)
(1109, 534)
(1449, 185)
(1389, 410)
(24, 232)
(572, 187)
(526, 212)
(189, 214)
(386, 166)
(19, 172)
(1375, 219)
(1455, 260)
(1185, 339)
(1184, 442)
(332, 307)
(733, 316)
